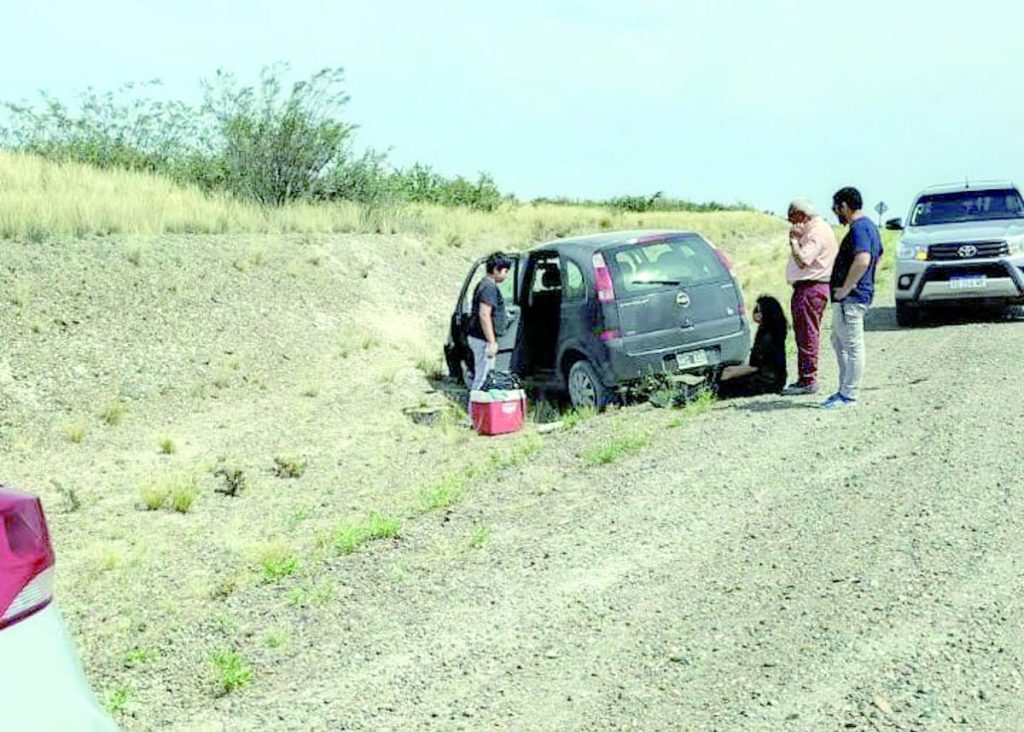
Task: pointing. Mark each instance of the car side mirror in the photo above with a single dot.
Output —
(894, 224)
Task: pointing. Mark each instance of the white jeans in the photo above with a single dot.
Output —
(482, 363)
(848, 340)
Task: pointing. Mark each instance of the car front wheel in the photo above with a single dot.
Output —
(585, 388)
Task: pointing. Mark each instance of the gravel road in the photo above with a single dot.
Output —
(764, 566)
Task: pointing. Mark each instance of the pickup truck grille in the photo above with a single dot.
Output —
(967, 250)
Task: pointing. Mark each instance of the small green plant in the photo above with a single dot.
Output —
(258, 257)
(577, 416)
(176, 493)
(222, 380)
(117, 699)
(702, 402)
(289, 467)
(138, 656)
(350, 536)
(382, 527)
(113, 413)
(308, 594)
(134, 255)
(431, 368)
(480, 536)
(76, 431)
(616, 449)
(36, 234)
(233, 672)
(184, 494)
(311, 391)
(446, 492)
(297, 517)
(69, 493)
(370, 342)
(277, 562)
(154, 496)
(167, 446)
(275, 639)
(109, 559)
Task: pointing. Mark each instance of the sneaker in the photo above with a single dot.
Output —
(838, 401)
(828, 402)
(799, 389)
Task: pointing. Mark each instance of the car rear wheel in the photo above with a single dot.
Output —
(907, 315)
(585, 388)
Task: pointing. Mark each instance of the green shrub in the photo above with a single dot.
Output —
(617, 448)
(233, 672)
(277, 562)
(184, 494)
(350, 536)
(113, 413)
(154, 496)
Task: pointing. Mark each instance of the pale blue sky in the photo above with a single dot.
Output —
(729, 100)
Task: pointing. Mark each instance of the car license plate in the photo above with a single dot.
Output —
(976, 282)
(692, 359)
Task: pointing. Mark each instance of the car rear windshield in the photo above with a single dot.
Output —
(951, 208)
(678, 262)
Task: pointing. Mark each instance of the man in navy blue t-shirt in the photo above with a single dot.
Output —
(853, 287)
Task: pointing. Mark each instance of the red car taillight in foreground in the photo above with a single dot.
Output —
(26, 557)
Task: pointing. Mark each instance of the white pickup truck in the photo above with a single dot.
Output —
(961, 245)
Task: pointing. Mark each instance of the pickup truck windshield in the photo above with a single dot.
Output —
(961, 206)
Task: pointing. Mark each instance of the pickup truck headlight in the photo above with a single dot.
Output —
(1015, 247)
(911, 251)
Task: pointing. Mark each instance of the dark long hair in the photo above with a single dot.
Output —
(773, 317)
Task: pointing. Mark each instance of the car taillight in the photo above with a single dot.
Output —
(26, 557)
(603, 280)
(724, 260)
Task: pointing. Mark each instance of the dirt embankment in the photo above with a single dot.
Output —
(762, 566)
(765, 566)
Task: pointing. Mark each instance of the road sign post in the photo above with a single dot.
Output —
(881, 207)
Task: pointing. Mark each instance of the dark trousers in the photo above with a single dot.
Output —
(808, 304)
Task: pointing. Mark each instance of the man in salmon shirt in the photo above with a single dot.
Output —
(813, 248)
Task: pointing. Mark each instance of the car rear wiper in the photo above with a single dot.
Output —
(656, 282)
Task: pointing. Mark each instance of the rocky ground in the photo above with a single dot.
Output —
(762, 565)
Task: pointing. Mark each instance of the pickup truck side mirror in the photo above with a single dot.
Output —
(894, 224)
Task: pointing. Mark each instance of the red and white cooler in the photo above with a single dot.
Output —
(497, 412)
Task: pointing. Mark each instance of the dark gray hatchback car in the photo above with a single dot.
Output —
(592, 315)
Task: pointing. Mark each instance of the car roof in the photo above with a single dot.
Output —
(593, 242)
(978, 185)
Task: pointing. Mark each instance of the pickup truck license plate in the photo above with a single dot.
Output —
(692, 359)
(976, 282)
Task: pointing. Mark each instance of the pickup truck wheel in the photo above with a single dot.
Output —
(907, 315)
(585, 388)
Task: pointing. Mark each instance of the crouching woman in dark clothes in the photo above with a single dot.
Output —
(766, 372)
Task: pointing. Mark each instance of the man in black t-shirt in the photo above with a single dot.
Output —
(488, 319)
